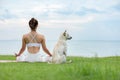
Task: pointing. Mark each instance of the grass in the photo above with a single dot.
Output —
(81, 69)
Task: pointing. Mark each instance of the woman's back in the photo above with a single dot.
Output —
(33, 42)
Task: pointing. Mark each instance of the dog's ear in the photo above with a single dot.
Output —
(64, 33)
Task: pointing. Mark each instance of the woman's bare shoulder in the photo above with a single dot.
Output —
(25, 35)
(41, 35)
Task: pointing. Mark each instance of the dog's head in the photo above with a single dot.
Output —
(65, 36)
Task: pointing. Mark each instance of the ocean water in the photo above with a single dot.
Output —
(75, 48)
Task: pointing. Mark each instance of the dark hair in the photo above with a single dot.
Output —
(33, 23)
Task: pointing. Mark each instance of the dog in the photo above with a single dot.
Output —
(60, 49)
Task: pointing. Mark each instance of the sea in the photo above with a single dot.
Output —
(83, 48)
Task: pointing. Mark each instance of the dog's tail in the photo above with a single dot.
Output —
(51, 62)
(69, 61)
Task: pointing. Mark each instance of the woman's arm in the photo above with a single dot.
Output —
(22, 48)
(44, 47)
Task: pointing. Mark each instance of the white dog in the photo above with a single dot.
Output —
(60, 49)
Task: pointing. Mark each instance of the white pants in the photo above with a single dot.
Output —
(37, 57)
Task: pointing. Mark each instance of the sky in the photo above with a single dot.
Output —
(83, 19)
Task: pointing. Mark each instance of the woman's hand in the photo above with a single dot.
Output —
(50, 55)
(16, 55)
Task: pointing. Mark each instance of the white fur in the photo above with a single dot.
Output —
(60, 49)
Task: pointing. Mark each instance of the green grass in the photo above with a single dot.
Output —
(81, 69)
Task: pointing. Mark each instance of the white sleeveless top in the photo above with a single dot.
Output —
(33, 44)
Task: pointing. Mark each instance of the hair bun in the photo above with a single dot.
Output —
(32, 18)
(33, 23)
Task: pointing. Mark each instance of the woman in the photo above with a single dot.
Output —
(33, 41)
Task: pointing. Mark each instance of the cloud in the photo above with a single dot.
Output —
(81, 15)
(51, 9)
(116, 7)
(6, 14)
